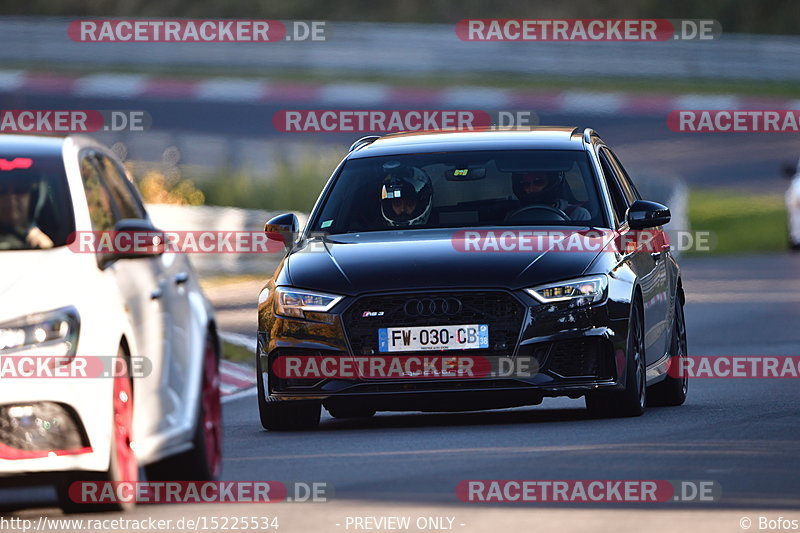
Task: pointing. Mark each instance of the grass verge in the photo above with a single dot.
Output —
(739, 222)
(237, 354)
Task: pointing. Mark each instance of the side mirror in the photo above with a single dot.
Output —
(133, 238)
(643, 214)
(283, 228)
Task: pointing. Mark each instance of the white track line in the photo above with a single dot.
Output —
(237, 371)
(252, 391)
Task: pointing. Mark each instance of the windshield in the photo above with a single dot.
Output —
(462, 189)
(35, 211)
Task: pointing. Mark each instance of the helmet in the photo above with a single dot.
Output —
(406, 195)
(537, 186)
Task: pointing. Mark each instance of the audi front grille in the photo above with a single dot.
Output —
(500, 310)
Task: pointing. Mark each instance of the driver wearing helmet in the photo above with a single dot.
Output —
(546, 188)
(406, 195)
(17, 230)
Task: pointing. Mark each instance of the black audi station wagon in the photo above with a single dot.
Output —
(452, 271)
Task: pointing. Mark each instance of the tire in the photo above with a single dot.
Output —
(204, 461)
(350, 411)
(285, 416)
(123, 466)
(672, 391)
(632, 399)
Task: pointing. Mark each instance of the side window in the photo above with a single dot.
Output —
(630, 188)
(618, 200)
(101, 211)
(576, 183)
(120, 189)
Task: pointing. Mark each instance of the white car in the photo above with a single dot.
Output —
(56, 301)
(793, 209)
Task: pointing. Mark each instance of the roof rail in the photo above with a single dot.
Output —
(363, 141)
(588, 133)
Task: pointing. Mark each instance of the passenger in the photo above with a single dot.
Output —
(546, 188)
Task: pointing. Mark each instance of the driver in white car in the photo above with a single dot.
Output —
(17, 231)
(546, 188)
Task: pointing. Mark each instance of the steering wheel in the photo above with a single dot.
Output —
(546, 210)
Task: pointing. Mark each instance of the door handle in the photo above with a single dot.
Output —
(181, 277)
(155, 294)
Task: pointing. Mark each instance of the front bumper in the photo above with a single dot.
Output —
(574, 350)
(88, 450)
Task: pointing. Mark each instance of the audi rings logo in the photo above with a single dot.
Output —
(433, 307)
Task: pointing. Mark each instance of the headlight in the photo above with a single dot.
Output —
(294, 302)
(52, 333)
(587, 290)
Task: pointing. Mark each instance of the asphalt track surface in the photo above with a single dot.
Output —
(742, 434)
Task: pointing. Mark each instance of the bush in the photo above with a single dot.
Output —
(156, 188)
(294, 185)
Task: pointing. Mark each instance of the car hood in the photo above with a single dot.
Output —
(425, 259)
(37, 280)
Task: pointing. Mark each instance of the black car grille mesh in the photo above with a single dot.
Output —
(501, 311)
(580, 358)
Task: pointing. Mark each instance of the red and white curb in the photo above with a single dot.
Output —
(237, 379)
(367, 95)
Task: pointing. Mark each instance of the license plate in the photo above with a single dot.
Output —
(422, 338)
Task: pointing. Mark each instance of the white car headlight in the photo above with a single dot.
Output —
(263, 295)
(294, 302)
(51, 333)
(588, 290)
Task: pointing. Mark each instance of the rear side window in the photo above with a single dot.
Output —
(98, 198)
(120, 189)
(618, 200)
(629, 188)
